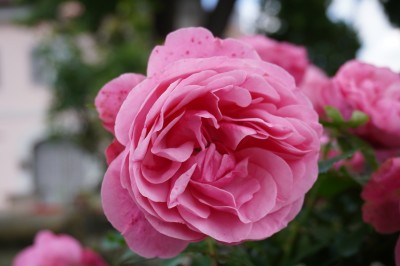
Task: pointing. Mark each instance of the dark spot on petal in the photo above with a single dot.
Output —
(234, 54)
(192, 39)
(187, 52)
(199, 42)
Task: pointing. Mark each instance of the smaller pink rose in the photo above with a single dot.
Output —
(374, 91)
(382, 198)
(57, 250)
(293, 58)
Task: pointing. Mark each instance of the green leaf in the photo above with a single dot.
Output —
(129, 258)
(188, 258)
(349, 243)
(332, 184)
(201, 260)
(113, 240)
(358, 119)
(336, 120)
(177, 261)
(334, 114)
(325, 165)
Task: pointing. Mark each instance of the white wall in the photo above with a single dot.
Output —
(23, 106)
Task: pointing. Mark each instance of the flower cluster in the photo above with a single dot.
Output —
(221, 140)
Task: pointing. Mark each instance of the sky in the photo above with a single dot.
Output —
(380, 40)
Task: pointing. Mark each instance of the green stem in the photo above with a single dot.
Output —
(212, 252)
(295, 227)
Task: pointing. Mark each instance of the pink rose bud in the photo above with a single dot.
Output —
(214, 143)
(57, 250)
(382, 198)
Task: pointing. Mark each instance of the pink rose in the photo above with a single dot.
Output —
(216, 142)
(313, 84)
(291, 57)
(374, 91)
(57, 250)
(382, 199)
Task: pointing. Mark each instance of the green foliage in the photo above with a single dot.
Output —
(340, 129)
(392, 8)
(329, 44)
(336, 119)
(120, 38)
(328, 231)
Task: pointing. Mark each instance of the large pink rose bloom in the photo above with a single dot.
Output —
(374, 91)
(216, 142)
(57, 250)
(382, 199)
(293, 58)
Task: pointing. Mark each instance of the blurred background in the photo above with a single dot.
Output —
(55, 55)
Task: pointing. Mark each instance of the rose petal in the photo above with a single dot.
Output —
(110, 98)
(127, 218)
(113, 150)
(222, 226)
(275, 221)
(176, 230)
(195, 43)
(180, 185)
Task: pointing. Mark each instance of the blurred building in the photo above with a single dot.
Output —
(24, 100)
(32, 166)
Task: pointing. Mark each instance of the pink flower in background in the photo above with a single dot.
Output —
(57, 250)
(291, 57)
(382, 198)
(215, 142)
(313, 84)
(374, 91)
